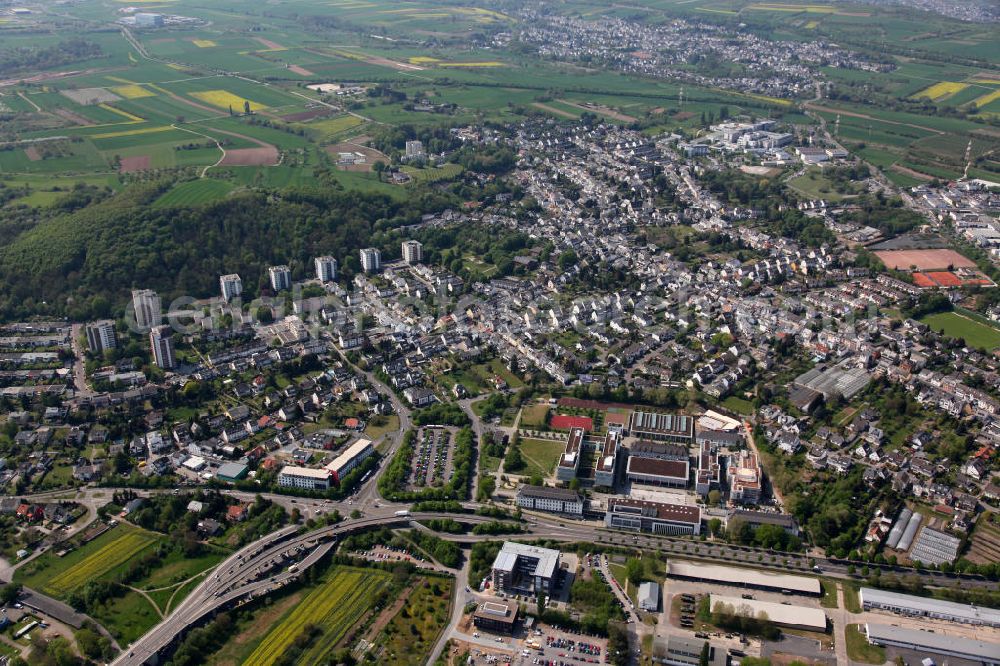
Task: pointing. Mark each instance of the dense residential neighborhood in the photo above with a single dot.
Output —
(522, 332)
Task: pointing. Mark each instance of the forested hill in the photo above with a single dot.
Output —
(84, 263)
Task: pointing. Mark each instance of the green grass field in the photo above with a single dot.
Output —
(738, 405)
(956, 325)
(859, 649)
(541, 455)
(194, 192)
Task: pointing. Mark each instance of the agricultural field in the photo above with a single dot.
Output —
(985, 542)
(95, 560)
(335, 606)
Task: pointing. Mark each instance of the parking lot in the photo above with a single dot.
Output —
(432, 460)
(549, 646)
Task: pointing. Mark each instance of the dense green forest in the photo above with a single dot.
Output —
(83, 263)
(13, 60)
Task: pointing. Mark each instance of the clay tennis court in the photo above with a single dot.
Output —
(923, 260)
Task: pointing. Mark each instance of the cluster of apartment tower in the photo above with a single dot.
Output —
(101, 335)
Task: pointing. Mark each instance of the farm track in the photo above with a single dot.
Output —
(865, 116)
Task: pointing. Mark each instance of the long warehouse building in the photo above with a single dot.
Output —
(934, 643)
(739, 577)
(907, 604)
(783, 615)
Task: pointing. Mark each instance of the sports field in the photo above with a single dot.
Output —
(958, 325)
(923, 260)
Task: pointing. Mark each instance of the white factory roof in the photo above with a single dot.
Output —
(969, 648)
(783, 614)
(926, 606)
(739, 576)
(548, 559)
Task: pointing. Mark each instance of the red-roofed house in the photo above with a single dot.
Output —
(236, 513)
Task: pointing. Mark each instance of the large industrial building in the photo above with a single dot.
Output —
(553, 500)
(677, 428)
(907, 604)
(658, 464)
(783, 615)
(945, 645)
(739, 577)
(668, 473)
(686, 651)
(523, 569)
(657, 517)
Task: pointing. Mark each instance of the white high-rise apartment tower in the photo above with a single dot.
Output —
(146, 303)
(281, 277)
(162, 347)
(413, 252)
(326, 269)
(371, 260)
(231, 286)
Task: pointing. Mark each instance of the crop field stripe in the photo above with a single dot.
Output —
(987, 99)
(99, 563)
(941, 90)
(145, 130)
(342, 619)
(336, 600)
(316, 606)
(123, 114)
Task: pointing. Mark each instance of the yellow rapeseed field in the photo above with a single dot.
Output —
(132, 91)
(203, 43)
(225, 99)
(141, 130)
(124, 114)
(99, 563)
(491, 63)
(941, 89)
(986, 99)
